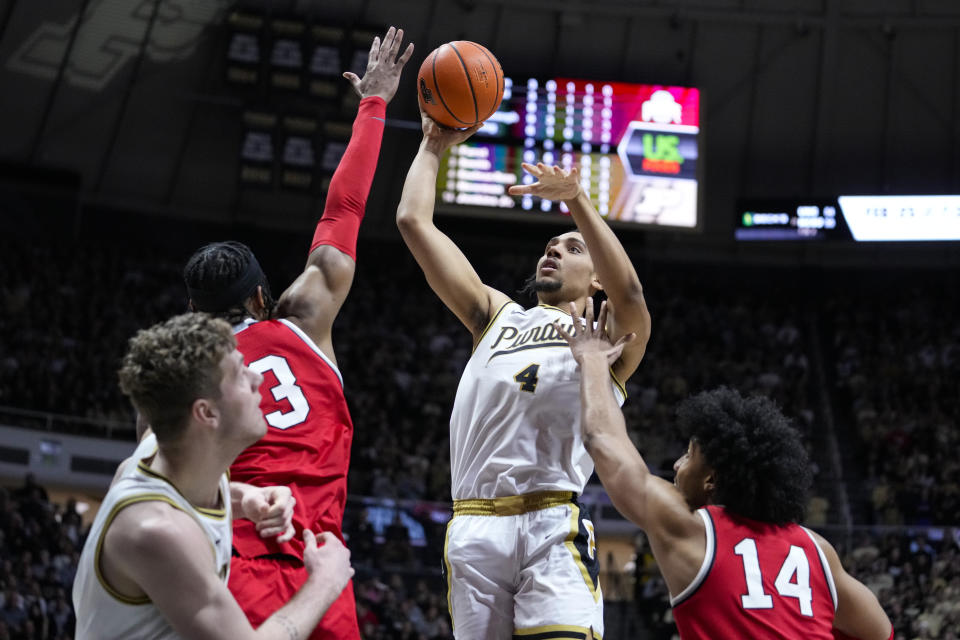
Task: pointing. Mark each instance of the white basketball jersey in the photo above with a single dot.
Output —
(104, 614)
(515, 425)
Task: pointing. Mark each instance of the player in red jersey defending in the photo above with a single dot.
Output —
(307, 445)
(725, 533)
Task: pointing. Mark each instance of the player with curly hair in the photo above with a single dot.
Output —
(147, 570)
(725, 533)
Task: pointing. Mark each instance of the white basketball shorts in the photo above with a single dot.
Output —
(523, 567)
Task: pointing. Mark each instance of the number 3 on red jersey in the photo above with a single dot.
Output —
(795, 564)
(286, 388)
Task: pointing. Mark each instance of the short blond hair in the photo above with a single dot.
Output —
(170, 365)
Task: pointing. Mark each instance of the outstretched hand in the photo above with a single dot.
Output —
(553, 183)
(383, 67)
(588, 339)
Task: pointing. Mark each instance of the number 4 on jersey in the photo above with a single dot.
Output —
(528, 378)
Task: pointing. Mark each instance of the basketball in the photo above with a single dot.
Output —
(460, 84)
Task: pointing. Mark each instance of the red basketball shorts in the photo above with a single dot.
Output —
(263, 585)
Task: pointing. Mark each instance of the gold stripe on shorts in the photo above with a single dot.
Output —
(512, 505)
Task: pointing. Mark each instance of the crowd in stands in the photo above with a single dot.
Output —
(398, 598)
(916, 576)
(898, 385)
(702, 338)
(401, 351)
(40, 544)
(68, 311)
(401, 595)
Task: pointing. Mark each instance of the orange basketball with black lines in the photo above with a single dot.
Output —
(460, 84)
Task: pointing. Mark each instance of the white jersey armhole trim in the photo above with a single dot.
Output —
(493, 321)
(707, 563)
(237, 328)
(313, 345)
(826, 568)
(618, 390)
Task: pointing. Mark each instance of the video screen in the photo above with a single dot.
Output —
(636, 147)
(853, 218)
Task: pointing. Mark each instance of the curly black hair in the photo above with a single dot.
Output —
(761, 468)
(214, 267)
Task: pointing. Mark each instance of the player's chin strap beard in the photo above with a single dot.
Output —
(547, 286)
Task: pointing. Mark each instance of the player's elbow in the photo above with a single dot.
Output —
(609, 454)
(629, 506)
(628, 493)
(407, 221)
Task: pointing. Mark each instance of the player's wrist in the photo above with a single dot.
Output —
(434, 145)
(593, 360)
(373, 100)
(580, 193)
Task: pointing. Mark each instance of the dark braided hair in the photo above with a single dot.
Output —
(216, 266)
(761, 469)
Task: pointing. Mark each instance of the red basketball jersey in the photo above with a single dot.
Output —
(757, 580)
(309, 432)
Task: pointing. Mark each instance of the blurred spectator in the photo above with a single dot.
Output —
(37, 565)
(894, 371)
(897, 371)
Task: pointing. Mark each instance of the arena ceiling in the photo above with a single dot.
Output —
(801, 97)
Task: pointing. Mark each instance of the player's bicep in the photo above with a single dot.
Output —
(623, 473)
(859, 613)
(631, 316)
(450, 275)
(640, 496)
(172, 561)
(312, 302)
(337, 268)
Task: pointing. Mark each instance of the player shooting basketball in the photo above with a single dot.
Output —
(520, 551)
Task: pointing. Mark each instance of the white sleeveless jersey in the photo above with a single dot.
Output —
(104, 614)
(515, 425)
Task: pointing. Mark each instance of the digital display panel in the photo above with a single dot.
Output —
(268, 55)
(636, 147)
(902, 218)
(782, 219)
(292, 151)
(298, 109)
(861, 218)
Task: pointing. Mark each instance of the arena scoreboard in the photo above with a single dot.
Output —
(636, 147)
(857, 218)
(298, 111)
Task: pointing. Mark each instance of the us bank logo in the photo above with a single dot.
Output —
(111, 34)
